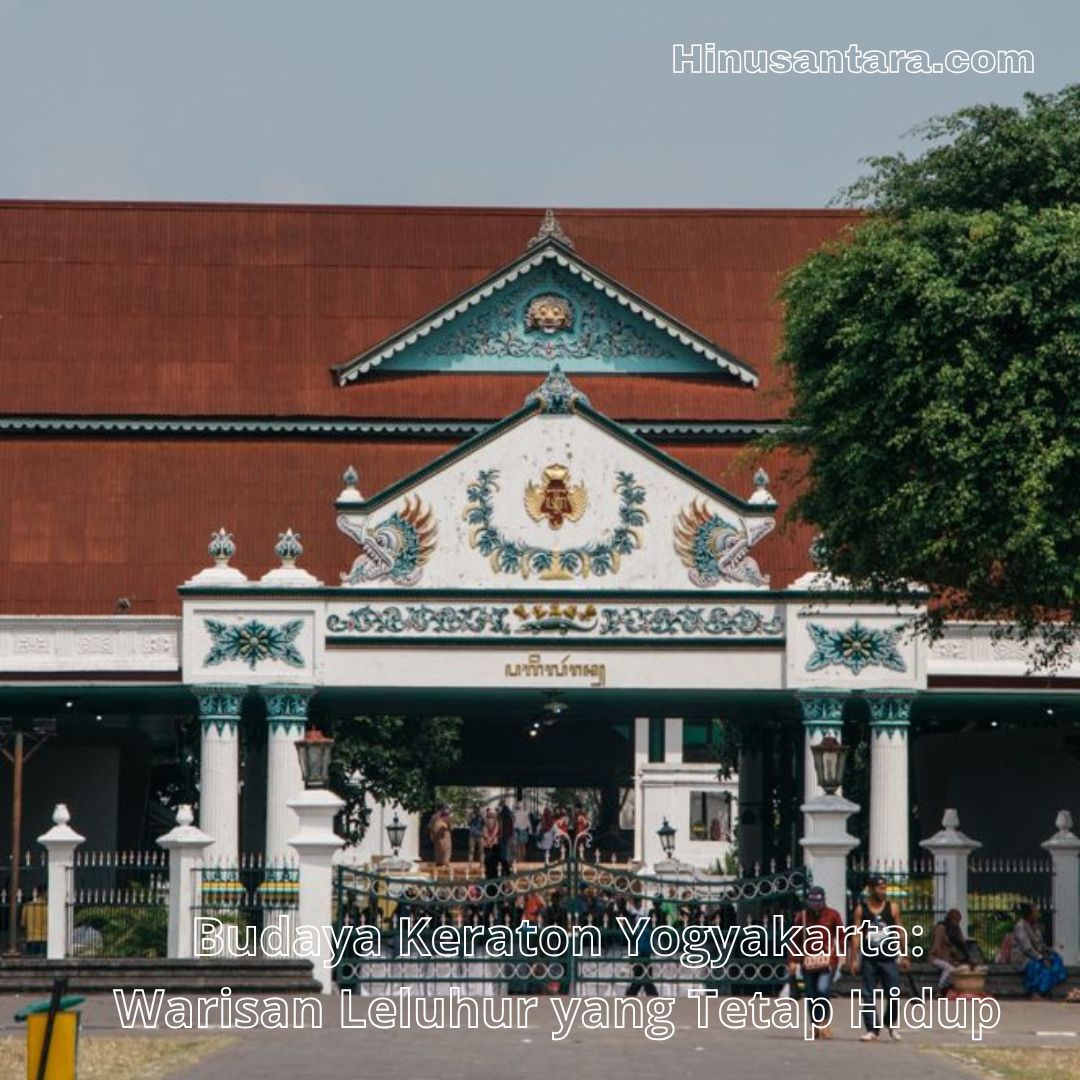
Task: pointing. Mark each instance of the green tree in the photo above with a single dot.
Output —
(392, 758)
(933, 355)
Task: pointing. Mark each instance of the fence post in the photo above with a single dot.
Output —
(186, 845)
(59, 843)
(1064, 848)
(315, 845)
(951, 850)
(827, 844)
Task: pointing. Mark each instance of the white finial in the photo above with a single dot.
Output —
(1064, 821)
(550, 229)
(221, 547)
(185, 816)
(762, 496)
(288, 547)
(61, 815)
(950, 820)
(351, 493)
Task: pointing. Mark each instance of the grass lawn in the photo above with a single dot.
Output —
(1035, 1063)
(125, 1057)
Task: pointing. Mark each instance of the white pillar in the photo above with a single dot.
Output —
(822, 715)
(186, 846)
(890, 716)
(673, 740)
(1064, 848)
(286, 717)
(315, 845)
(219, 769)
(827, 844)
(60, 843)
(951, 850)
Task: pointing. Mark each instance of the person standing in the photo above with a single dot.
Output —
(476, 836)
(877, 952)
(34, 922)
(817, 951)
(441, 835)
(506, 840)
(522, 828)
(491, 843)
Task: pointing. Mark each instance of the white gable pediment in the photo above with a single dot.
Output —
(555, 496)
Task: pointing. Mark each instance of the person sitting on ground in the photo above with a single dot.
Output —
(948, 949)
(1042, 967)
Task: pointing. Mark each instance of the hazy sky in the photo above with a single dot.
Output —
(552, 103)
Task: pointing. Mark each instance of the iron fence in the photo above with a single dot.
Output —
(118, 904)
(915, 886)
(998, 888)
(582, 898)
(243, 898)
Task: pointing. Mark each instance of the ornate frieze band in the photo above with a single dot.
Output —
(126, 643)
(638, 622)
(219, 707)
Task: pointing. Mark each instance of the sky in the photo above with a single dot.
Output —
(480, 103)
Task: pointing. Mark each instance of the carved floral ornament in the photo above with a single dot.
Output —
(509, 555)
(856, 647)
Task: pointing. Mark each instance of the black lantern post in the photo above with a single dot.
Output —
(829, 760)
(666, 832)
(314, 751)
(395, 832)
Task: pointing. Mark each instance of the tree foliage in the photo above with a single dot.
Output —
(391, 758)
(934, 354)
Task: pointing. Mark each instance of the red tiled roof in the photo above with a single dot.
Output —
(87, 521)
(172, 309)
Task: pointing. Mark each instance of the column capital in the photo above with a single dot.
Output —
(822, 710)
(287, 708)
(890, 710)
(220, 705)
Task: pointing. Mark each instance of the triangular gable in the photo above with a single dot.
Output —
(548, 306)
(555, 495)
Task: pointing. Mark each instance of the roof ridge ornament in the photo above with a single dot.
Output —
(557, 395)
(550, 229)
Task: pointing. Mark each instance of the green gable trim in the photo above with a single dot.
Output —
(649, 451)
(707, 431)
(473, 350)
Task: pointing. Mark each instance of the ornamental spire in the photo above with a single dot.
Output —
(557, 394)
(550, 229)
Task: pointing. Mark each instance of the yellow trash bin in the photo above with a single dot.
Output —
(63, 1036)
(62, 1047)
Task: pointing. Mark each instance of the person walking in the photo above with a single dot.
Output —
(816, 950)
(877, 952)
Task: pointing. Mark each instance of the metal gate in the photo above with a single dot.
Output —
(572, 893)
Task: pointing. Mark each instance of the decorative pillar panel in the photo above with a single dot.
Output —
(1064, 848)
(951, 850)
(890, 718)
(673, 740)
(822, 715)
(286, 717)
(219, 768)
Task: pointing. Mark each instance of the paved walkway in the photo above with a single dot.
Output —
(603, 1054)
